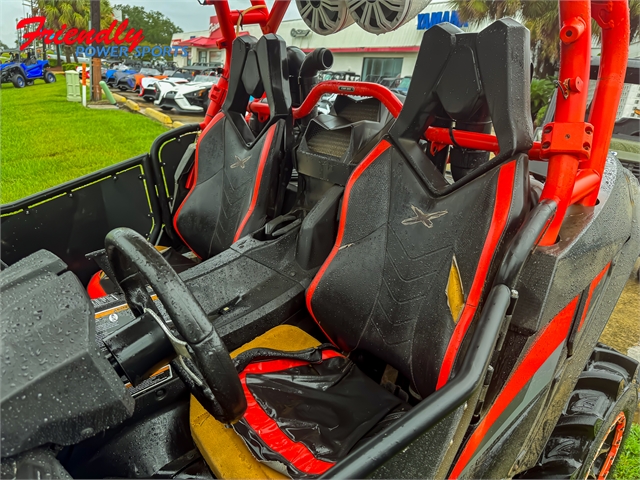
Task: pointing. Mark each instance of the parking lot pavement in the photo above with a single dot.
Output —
(175, 116)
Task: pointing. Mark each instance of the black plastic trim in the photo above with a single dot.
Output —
(525, 241)
(163, 200)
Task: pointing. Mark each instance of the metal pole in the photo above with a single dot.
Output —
(96, 74)
(84, 84)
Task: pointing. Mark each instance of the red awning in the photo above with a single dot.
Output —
(207, 42)
(186, 43)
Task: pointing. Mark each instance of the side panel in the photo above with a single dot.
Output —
(72, 219)
(597, 248)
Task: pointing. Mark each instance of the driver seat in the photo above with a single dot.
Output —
(404, 282)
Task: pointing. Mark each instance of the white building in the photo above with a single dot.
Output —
(355, 50)
(389, 55)
(207, 52)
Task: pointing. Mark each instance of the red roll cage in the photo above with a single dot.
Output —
(575, 150)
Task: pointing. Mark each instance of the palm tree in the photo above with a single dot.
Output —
(73, 14)
(540, 17)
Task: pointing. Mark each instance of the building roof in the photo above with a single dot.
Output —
(352, 39)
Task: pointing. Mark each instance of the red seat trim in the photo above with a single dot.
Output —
(502, 205)
(264, 154)
(94, 289)
(295, 453)
(194, 179)
(362, 166)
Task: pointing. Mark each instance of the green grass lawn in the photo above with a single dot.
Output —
(46, 140)
(628, 467)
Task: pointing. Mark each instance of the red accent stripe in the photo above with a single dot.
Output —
(594, 284)
(501, 207)
(362, 166)
(295, 452)
(547, 342)
(194, 180)
(256, 187)
(94, 289)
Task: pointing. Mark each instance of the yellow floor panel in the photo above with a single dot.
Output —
(222, 448)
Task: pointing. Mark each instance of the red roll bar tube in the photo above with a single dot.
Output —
(269, 22)
(562, 142)
(362, 89)
(440, 136)
(613, 18)
(577, 155)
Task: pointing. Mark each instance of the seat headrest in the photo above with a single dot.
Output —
(258, 67)
(469, 77)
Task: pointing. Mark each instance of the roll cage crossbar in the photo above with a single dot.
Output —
(574, 149)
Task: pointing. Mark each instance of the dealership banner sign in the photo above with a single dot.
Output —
(116, 40)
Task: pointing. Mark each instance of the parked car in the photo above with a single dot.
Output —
(340, 75)
(192, 97)
(133, 82)
(149, 86)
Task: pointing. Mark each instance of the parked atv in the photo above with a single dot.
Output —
(22, 73)
(12, 72)
(406, 305)
(132, 81)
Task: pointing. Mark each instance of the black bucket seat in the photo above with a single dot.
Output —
(238, 178)
(236, 174)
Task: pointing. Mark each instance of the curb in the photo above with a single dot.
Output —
(119, 98)
(177, 124)
(131, 105)
(160, 117)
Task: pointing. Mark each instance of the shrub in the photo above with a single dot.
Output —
(53, 63)
(541, 91)
(69, 66)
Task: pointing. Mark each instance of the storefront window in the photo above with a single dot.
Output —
(375, 69)
(202, 57)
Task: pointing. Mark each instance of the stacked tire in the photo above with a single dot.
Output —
(595, 421)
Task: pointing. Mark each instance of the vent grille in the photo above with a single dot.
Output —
(633, 167)
(357, 111)
(333, 143)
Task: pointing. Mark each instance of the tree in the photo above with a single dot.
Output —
(157, 28)
(3, 46)
(73, 14)
(540, 17)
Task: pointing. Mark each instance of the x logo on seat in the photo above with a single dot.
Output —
(423, 218)
(240, 162)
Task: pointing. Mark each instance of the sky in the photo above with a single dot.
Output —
(189, 15)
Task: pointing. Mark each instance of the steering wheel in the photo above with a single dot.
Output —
(136, 264)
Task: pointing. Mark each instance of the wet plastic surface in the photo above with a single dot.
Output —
(56, 386)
